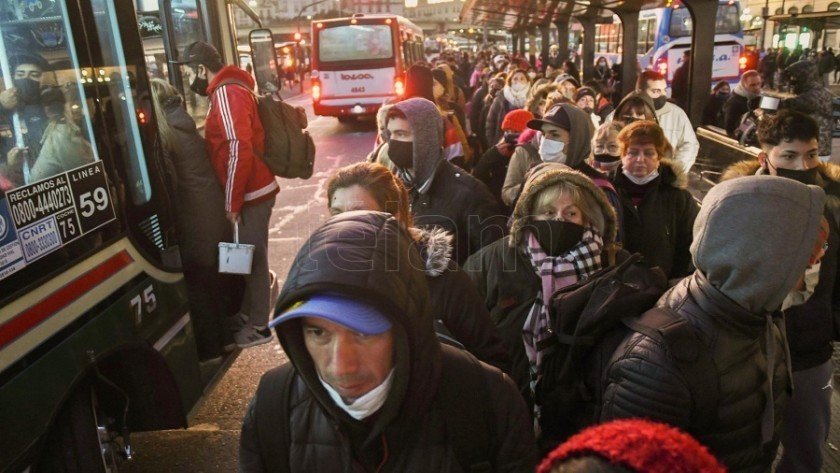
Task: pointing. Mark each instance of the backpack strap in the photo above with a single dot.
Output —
(468, 415)
(272, 417)
(692, 358)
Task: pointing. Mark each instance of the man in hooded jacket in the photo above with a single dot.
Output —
(442, 194)
(355, 288)
(732, 300)
(812, 98)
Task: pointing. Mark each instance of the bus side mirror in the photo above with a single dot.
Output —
(264, 59)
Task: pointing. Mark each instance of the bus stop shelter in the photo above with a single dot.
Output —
(525, 18)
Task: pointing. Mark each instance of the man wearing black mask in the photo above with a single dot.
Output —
(23, 99)
(671, 118)
(442, 194)
(789, 148)
(235, 139)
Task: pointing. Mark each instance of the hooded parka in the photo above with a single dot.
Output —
(504, 275)
(732, 300)
(369, 256)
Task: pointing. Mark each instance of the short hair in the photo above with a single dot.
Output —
(589, 209)
(786, 125)
(750, 73)
(720, 85)
(647, 76)
(384, 186)
(644, 132)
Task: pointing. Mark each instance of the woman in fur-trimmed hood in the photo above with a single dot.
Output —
(563, 225)
(658, 211)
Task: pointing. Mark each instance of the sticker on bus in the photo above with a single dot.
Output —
(44, 216)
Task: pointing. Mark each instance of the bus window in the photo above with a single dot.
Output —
(647, 35)
(186, 28)
(727, 21)
(355, 43)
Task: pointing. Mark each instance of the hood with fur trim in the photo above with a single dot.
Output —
(828, 179)
(435, 246)
(548, 174)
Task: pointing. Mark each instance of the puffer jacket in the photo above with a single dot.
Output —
(660, 226)
(235, 140)
(407, 434)
(812, 326)
(456, 302)
(504, 275)
(813, 99)
(732, 300)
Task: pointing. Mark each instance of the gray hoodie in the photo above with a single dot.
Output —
(427, 126)
(579, 146)
(758, 261)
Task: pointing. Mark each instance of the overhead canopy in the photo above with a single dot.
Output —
(816, 21)
(517, 14)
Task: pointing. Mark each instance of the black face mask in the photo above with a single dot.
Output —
(806, 177)
(28, 90)
(659, 102)
(510, 138)
(401, 153)
(606, 158)
(199, 86)
(556, 237)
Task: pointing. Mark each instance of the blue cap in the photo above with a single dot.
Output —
(351, 313)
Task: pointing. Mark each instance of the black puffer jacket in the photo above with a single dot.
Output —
(811, 326)
(660, 227)
(732, 300)
(456, 302)
(368, 255)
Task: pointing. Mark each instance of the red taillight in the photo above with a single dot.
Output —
(399, 87)
(742, 63)
(141, 117)
(662, 66)
(316, 90)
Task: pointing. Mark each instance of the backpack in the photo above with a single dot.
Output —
(289, 149)
(589, 321)
(469, 417)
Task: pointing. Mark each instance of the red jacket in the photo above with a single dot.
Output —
(235, 137)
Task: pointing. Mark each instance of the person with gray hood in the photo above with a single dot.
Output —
(732, 301)
(442, 194)
(367, 386)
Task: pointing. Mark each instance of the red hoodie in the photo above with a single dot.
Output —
(235, 138)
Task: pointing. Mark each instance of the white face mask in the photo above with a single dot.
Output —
(812, 278)
(640, 181)
(552, 151)
(519, 87)
(366, 405)
(532, 75)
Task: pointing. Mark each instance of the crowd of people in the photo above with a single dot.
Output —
(416, 318)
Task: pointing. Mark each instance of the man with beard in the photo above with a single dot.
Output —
(23, 99)
(813, 99)
(235, 139)
(671, 118)
(744, 99)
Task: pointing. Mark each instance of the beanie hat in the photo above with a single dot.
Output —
(583, 92)
(517, 120)
(640, 445)
(418, 82)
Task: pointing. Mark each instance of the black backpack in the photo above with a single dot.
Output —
(289, 149)
(589, 320)
(469, 417)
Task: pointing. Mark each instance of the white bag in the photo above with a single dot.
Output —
(234, 257)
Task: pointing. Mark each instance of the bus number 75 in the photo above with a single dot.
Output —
(147, 302)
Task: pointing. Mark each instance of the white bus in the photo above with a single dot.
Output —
(359, 62)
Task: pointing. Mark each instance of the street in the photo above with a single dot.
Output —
(211, 443)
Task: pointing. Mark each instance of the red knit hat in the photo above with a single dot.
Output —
(517, 120)
(640, 445)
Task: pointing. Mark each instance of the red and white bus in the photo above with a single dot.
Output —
(359, 62)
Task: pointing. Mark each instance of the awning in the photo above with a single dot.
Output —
(816, 21)
(517, 14)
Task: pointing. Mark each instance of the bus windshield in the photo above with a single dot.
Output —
(355, 43)
(727, 21)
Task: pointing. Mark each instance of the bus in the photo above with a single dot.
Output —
(664, 33)
(358, 63)
(96, 338)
